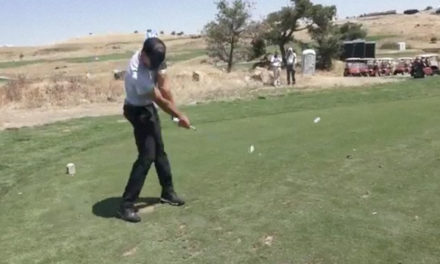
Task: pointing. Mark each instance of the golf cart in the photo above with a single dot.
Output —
(356, 67)
(386, 66)
(373, 69)
(430, 63)
(403, 66)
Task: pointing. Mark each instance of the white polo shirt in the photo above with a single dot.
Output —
(291, 59)
(276, 61)
(140, 82)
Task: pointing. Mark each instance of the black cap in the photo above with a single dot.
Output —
(155, 49)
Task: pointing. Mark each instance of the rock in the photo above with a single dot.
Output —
(198, 76)
(262, 75)
(110, 99)
(118, 74)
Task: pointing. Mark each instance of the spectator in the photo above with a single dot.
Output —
(276, 62)
(290, 62)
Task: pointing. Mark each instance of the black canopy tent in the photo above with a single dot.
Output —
(358, 49)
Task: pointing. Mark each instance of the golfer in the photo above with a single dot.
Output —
(145, 83)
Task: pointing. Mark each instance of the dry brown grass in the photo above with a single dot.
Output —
(58, 90)
(417, 29)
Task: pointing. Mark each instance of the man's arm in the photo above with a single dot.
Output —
(164, 87)
(170, 108)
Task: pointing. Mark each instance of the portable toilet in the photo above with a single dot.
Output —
(402, 46)
(308, 62)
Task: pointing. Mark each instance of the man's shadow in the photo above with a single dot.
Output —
(108, 207)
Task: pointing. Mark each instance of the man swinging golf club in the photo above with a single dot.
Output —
(145, 83)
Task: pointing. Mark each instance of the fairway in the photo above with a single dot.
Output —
(360, 186)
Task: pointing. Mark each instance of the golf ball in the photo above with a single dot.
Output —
(317, 120)
(252, 149)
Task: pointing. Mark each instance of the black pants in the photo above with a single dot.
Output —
(290, 73)
(147, 133)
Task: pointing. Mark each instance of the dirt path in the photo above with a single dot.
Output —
(15, 118)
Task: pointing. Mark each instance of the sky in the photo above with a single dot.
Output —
(38, 22)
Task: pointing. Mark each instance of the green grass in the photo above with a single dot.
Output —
(88, 59)
(380, 37)
(101, 58)
(173, 57)
(398, 54)
(15, 64)
(185, 55)
(359, 187)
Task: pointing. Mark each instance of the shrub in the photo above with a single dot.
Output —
(390, 46)
(410, 11)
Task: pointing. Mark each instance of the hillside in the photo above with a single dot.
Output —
(417, 30)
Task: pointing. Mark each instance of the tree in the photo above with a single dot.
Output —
(224, 34)
(258, 48)
(282, 24)
(255, 32)
(325, 34)
(352, 31)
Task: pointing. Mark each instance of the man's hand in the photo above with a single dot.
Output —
(184, 122)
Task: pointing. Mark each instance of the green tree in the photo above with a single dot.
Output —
(282, 24)
(255, 33)
(325, 34)
(258, 48)
(224, 34)
(352, 31)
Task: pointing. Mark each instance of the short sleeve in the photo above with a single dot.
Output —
(162, 68)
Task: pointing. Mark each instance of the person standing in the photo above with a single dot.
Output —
(276, 62)
(146, 83)
(290, 66)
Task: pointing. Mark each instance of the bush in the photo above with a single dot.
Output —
(14, 90)
(258, 48)
(428, 8)
(411, 11)
(434, 40)
(390, 46)
(173, 33)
